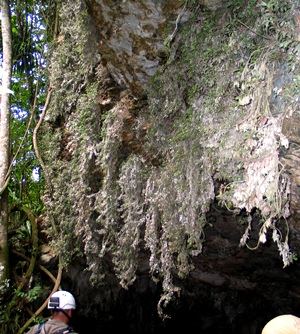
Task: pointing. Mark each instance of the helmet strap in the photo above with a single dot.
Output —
(64, 312)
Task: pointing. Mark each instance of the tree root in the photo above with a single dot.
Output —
(44, 305)
(46, 271)
(31, 266)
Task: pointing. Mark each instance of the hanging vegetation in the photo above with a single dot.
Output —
(211, 130)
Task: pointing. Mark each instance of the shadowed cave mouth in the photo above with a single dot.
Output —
(231, 290)
(217, 310)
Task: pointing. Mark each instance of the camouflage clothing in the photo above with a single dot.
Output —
(52, 327)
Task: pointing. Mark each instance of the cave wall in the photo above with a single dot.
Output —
(171, 141)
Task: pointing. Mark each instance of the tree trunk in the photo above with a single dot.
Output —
(5, 136)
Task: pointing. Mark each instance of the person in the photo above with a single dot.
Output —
(283, 324)
(62, 305)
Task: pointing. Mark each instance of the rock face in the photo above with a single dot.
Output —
(174, 141)
(131, 38)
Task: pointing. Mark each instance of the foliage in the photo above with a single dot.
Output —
(6, 325)
(9, 323)
(276, 22)
(32, 294)
(29, 34)
(29, 95)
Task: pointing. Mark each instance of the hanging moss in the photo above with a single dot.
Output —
(72, 129)
(209, 132)
(212, 122)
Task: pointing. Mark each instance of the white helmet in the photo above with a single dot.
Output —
(61, 300)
